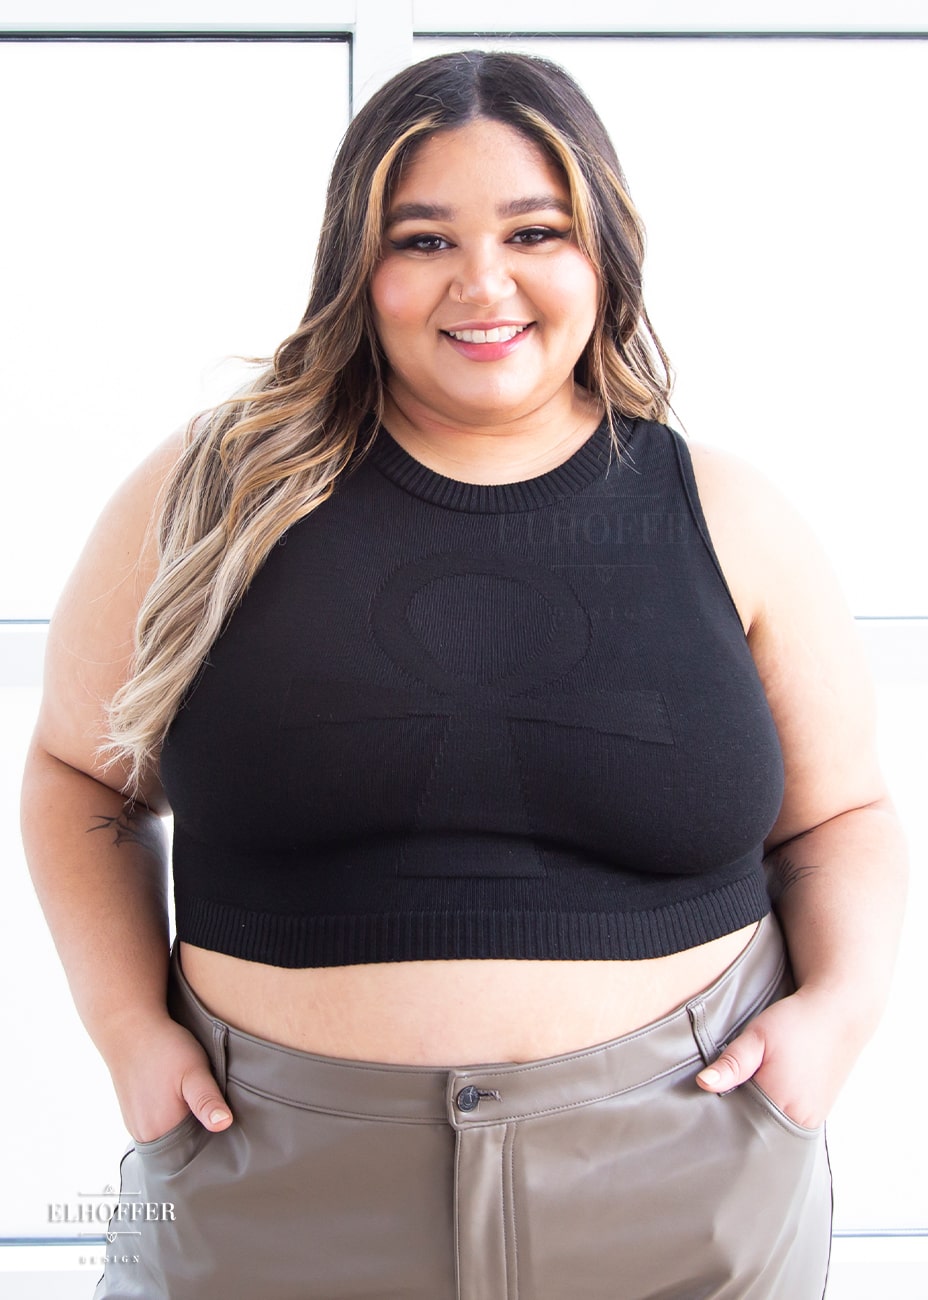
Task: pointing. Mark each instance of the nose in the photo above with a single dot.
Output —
(483, 277)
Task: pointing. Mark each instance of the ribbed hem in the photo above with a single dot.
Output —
(581, 469)
(302, 941)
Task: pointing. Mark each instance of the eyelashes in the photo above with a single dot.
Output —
(538, 235)
(420, 244)
(529, 237)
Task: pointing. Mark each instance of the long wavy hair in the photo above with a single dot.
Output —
(260, 461)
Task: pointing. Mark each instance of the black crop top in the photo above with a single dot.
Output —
(454, 721)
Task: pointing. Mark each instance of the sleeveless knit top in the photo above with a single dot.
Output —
(454, 721)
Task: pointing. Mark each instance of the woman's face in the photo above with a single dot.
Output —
(483, 301)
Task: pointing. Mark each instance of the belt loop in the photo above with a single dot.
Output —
(707, 1045)
(219, 1053)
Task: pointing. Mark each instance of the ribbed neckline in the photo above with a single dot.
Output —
(588, 462)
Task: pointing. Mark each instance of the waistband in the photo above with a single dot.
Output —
(481, 1095)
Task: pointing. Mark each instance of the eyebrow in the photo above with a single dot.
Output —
(514, 208)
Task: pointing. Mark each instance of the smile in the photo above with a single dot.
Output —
(501, 334)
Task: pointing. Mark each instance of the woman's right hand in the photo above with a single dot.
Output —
(160, 1075)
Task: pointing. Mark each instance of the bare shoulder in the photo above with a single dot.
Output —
(92, 632)
(757, 534)
(802, 638)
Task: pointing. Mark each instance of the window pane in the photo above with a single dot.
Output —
(163, 201)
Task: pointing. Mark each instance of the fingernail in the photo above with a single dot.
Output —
(711, 1075)
(217, 1116)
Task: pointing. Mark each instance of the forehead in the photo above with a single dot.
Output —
(482, 155)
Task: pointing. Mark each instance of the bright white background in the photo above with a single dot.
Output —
(163, 203)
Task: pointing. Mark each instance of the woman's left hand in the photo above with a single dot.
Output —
(799, 1051)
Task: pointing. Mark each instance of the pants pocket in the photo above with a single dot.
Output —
(178, 1146)
(780, 1117)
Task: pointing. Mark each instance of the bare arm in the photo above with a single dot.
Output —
(99, 868)
(99, 863)
(836, 857)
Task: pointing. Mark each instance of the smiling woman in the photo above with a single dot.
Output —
(481, 264)
(481, 703)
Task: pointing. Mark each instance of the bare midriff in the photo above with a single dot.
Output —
(453, 1013)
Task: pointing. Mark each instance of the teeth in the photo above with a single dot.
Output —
(500, 335)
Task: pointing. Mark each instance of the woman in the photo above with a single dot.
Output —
(474, 742)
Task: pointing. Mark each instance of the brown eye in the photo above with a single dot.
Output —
(421, 244)
(537, 235)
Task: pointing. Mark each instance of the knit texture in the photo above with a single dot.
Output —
(453, 720)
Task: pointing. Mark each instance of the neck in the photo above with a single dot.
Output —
(505, 452)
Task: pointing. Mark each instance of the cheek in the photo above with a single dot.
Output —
(572, 292)
(393, 297)
(586, 291)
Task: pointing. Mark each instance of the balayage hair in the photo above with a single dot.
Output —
(271, 454)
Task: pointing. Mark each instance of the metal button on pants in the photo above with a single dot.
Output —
(605, 1174)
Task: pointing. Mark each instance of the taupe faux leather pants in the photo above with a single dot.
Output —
(605, 1174)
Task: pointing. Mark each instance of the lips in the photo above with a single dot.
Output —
(488, 342)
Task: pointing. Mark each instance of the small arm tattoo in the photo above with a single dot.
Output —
(783, 873)
(127, 828)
